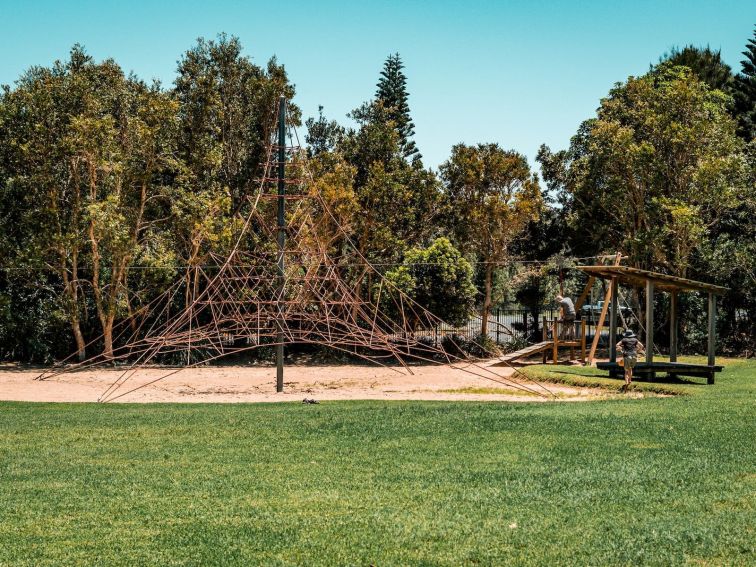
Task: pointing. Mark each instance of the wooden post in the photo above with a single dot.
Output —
(613, 321)
(649, 321)
(712, 330)
(599, 326)
(673, 327)
(602, 317)
(555, 352)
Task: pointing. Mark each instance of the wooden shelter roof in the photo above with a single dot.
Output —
(638, 278)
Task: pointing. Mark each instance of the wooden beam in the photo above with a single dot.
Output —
(613, 321)
(638, 277)
(673, 327)
(649, 321)
(602, 317)
(599, 326)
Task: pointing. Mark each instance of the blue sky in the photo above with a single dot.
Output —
(519, 73)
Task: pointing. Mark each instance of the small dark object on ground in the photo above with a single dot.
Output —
(310, 401)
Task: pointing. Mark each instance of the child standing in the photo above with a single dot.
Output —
(630, 347)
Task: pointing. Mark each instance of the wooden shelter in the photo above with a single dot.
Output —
(652, 282)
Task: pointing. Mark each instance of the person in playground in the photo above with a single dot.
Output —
(567, 309)
(630, 347)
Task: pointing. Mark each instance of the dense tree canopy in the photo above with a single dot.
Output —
(111, 189)
(439, 279)
(655, 171)
(492, 196)
(707, 65)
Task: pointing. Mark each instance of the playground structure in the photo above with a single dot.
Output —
(616, 274)
(556, 335)
(652, 282)
(284, 282)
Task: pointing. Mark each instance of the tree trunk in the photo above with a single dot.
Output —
(107, 335)
(71, 290)
(81, 347)
(486, 301)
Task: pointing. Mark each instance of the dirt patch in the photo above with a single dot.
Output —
(257, 384)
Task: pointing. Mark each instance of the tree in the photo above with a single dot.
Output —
(544, 238)
(392, 93)
(439, 279)
(745, 93)
(705, 63)
(227, 107)
(492, 196)
(398, 200)
(90, 154)
(322, 135)
(653, 173)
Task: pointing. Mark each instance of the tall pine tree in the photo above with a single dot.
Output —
(392, 92)
(745, 93)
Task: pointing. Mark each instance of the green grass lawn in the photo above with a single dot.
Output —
(660, 480)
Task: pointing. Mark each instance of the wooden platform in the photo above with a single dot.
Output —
(544, 348)
(649, 369)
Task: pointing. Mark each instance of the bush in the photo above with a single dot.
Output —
(483, 346)
(455, 345)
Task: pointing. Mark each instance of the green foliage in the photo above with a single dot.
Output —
(439, 279)
(322, 135)
(707, 65)
(657, 168)
(745, 92)
(491, 197)
(398, 201)
(226, 104)
(100, 172)
(392, 94)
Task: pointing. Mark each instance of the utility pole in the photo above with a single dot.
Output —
(281, 238)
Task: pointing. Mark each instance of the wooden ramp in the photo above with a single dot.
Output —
(528, 351)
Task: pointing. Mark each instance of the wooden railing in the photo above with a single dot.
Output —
(563, 335)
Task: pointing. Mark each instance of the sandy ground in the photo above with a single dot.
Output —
(257, 384)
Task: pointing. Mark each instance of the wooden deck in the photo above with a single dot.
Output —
(649, 369)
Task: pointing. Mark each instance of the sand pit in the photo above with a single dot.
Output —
(257, 384)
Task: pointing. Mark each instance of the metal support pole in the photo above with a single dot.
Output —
(613, 321)
(582, 341)
(281, 238)
(555, 350)
(545, 337)
(712, 327)
(649, 321)
(673, 326)
(498, 326)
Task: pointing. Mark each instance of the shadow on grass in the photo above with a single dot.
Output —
(675, 380)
